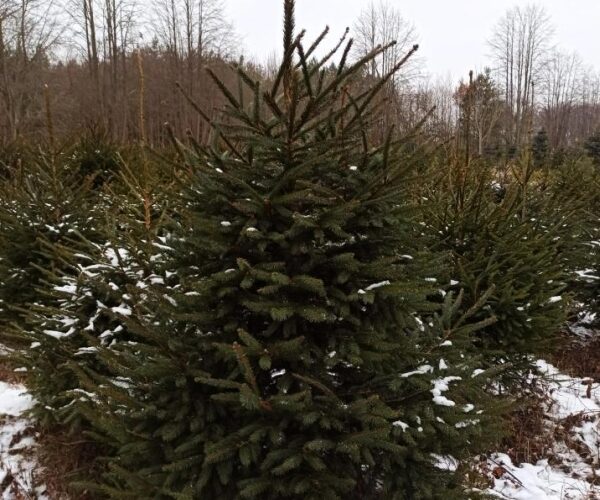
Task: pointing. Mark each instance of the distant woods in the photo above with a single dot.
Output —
(92, 55)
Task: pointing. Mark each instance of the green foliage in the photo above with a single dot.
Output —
(95, 275)
(95, 156)
(592, 146)
(540, 148)
(508, 238)
(43, 201)
(575, 188)
(250, 422)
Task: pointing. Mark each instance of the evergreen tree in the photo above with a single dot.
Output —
(480, 108)
(95, 155)
(575, 188)
(80, 304)
(539, 148)
(513, 243)
(592, 146)
(303, 350)
(42, 200)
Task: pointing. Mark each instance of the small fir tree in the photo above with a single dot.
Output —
(512, 238)
(575, 189)
(540, 149)
(592, 147)
(80, 304)
(41, 201)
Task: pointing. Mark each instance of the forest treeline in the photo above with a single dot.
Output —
(74, 65)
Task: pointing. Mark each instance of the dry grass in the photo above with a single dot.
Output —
(60, 458)
(64, 458)
(532, 435)
(8, 374)
(578, 357)
(12, 485)
(530, 438)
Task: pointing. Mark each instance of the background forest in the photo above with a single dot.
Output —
(82, 57)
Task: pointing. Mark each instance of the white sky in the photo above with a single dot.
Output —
(452, 34)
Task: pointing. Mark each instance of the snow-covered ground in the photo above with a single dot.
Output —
(572, 469)
(17, 446)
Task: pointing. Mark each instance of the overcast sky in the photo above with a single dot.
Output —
(452, 33)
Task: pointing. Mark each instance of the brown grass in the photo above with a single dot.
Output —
(577, 357)
(8, 374)
(63, 458)
(530, 438)
(532, 434)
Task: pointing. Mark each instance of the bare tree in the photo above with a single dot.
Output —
(194, 28)
(440, 97)
(380, 24)
(586, 118)
(28, 32)
(559, 92)
(192, 33)
(84, 37)
(519, 44)
(486, 108)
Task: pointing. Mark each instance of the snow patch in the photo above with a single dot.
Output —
(14, 399)
(377, 285)
(571, 473)
(421, 370)
(441, 385)
(17, 467)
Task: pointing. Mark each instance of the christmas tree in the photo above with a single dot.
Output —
(302, 349)
(94, 273)
(43, 201)
(511, 238)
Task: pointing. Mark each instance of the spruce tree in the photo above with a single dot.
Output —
(511, 238)
(575, 187)
(105, 266)
(303, 350)
(592, 147)
(539, 148)
(41, 200)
